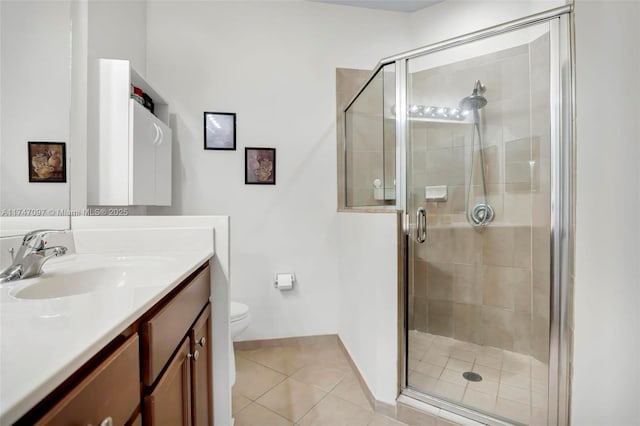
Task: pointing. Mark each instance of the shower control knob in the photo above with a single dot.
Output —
(202, 341)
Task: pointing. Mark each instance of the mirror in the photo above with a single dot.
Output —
(35, 82)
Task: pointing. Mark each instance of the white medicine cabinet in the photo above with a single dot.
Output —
(129, 149)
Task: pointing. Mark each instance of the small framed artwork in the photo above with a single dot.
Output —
(47, 162)
(220, 130)
(260, 166)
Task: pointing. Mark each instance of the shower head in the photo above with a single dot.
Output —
(475, 101)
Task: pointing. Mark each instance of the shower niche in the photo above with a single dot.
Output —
(469, 139)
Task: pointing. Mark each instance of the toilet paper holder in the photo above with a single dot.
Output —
(284, 280)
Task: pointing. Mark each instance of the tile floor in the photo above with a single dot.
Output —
(306, 384)
(514, 385)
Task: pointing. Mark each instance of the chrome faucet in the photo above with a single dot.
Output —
(31, 255)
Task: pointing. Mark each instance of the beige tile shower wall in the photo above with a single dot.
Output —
(488, 287)
(365, 145)
(348, 81)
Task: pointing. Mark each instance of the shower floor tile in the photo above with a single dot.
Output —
(513, 385)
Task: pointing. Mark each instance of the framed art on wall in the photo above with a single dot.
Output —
(260, 166)
(47, 162)
(220, 130)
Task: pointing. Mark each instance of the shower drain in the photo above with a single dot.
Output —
(471, 376)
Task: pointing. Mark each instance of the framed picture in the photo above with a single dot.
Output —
(47, 162)
(220, 130)
(260, 166)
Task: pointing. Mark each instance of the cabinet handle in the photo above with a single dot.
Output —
(195, 355)
(107, 422)
(160, 134)
(202, 341)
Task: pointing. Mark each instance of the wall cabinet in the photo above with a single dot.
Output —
(129, 148)
(160, 372)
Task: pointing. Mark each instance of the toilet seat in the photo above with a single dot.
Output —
(238, 311)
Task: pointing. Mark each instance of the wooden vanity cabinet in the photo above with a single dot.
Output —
(157, 372)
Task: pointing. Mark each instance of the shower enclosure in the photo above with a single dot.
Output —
(471, 139)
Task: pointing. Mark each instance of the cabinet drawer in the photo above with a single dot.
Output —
(165, 330)
(111, 390)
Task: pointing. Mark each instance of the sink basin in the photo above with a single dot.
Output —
(112, 273)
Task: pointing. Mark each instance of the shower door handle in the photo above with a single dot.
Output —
(421, 225)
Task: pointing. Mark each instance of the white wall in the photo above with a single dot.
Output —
(118, 30)
(36, 97)
(273, 63)
(454, 18)
(368, 297)
(606, 385)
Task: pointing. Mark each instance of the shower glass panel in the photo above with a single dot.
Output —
(479, 187)
(370, 143)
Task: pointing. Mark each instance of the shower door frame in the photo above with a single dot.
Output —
(562, 79)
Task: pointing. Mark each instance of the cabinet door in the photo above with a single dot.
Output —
(163, 166)
(143, 136)
(201, 395)
(170, 402)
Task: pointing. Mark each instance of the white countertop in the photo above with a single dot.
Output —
(43, 341)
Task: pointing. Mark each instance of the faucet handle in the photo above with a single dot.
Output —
(38, 236)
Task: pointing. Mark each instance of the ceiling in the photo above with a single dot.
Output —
(396, 5)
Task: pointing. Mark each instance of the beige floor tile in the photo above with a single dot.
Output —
(435, 358)
(238, 401)
(429, 369)
(450, 391)
(479, 400)
(256, 415)
(380, 420)
(487, 373)
(351, 390)
(539, 417)
(252, 379)
(539, 386)
(516, 363)
(513, 410)
(325, 378)
(515, 380)
(453, 376)
(489, 361)
(284, 359)
(463, 355)
(334, 411)
(512, 393)
(422, 382)
(333, 358)
(539, 400)
(484, 386)
(539, 370)
(459, 365)
(291, 399)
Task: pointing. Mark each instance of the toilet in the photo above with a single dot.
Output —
(239, 321)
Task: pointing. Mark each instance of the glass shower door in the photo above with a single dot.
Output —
(478, 199)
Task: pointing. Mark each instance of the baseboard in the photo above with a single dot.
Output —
(249, 345)
(383, 408)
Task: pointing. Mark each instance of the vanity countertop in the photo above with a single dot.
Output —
(43, 341)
